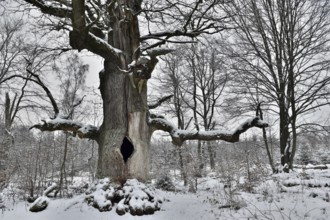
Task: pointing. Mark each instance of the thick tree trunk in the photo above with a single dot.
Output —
(124, 142)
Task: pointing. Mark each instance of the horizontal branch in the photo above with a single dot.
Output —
(170, 34)
(179, 136)
(158, 51)
(60, 124)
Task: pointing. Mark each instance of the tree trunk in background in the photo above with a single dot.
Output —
(6, 141)
(211, 155)
(264, 136)
(200, 152)
(182, 167)
(284, 133)
(63, 176)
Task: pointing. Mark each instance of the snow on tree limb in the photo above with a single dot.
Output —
(61, 12)
(179, 136)
(60, 124)
(158, 51)
(80, 37)
(101, 47)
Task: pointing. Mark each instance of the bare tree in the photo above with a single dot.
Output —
(12, 48)
(172, 81)
(208, 81)
(72, 77)
(284, 46)
(111, 29)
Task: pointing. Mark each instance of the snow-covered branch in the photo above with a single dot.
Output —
(179, 136)
(81, 36)
(61, 12)
(101, 47)
(60, 124)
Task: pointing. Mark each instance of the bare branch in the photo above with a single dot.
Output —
(74, 106)
(159, 102)
(158, 52)
(49, 94)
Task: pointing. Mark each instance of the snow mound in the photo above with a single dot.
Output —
(42, 202)
(134, 197)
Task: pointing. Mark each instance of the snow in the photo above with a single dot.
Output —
(270, 199)
(83, 128)
(248, 122)
(60, 119)
(42, 201)
(179, 133)
(50, 189)
(121, 206)
(113, 50)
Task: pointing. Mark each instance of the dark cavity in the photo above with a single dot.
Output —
(126, 149)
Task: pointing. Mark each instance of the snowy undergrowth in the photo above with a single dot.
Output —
(301, 194)
(272, 198)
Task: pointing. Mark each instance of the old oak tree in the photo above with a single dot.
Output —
(129, 35)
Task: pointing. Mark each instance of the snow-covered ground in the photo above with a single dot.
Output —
(302, 194)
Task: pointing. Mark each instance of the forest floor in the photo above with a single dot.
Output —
(301, 194)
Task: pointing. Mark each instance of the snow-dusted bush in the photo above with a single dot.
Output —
(165, 183)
